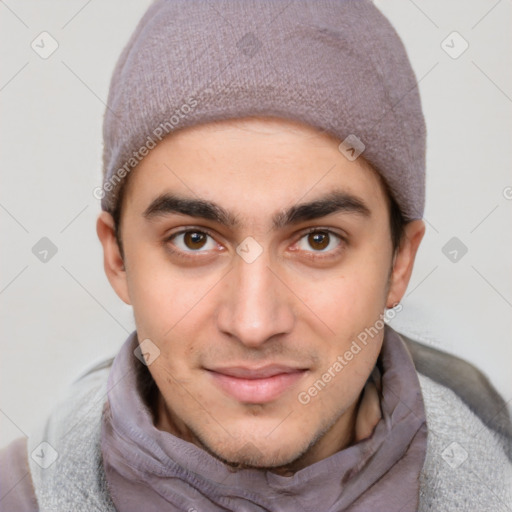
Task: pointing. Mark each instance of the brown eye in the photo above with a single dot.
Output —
(194, 239)
(319, 240)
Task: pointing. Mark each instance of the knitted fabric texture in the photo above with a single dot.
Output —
(336, 65)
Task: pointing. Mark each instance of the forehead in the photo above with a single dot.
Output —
(261, 130)
(264, 160)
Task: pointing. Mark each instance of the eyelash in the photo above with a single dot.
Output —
(313, 255)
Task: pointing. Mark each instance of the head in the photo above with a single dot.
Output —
(253, 247)
(255, 244)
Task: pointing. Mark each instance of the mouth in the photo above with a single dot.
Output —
(256, 385)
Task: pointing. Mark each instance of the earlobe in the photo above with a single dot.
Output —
(112, 259)
(403, 261)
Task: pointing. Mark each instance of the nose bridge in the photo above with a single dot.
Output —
(256, 306)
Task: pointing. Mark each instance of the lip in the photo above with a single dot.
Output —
(256, 385)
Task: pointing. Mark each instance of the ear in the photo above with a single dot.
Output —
(112, 259)
(403, 261)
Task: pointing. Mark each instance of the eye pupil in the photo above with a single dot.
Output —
(194, 239)
(318, 240)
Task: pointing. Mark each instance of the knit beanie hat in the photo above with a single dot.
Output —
(337, 65)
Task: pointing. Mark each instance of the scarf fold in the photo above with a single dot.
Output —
(152, 470)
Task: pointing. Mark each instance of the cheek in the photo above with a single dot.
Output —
(169, 302)
(157, 294)
(351, 297)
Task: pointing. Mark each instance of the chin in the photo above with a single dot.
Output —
(258, 453)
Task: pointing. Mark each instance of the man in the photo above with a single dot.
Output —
(262, 208)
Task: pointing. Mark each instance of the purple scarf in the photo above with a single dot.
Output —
(152, 470)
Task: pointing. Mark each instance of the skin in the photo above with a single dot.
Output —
(299, 303)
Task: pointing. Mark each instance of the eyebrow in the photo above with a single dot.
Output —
(333, 202)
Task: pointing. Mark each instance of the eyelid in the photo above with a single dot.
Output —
(322, 229)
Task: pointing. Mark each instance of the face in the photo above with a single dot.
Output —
(255, 255)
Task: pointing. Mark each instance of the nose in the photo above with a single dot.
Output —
(256, 305)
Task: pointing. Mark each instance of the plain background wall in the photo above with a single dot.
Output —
(59, 317)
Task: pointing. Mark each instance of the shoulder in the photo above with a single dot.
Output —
(16, 488)
(469, 442)
(466, 465)
(69, 473)
(19, 472)
(470, 385)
